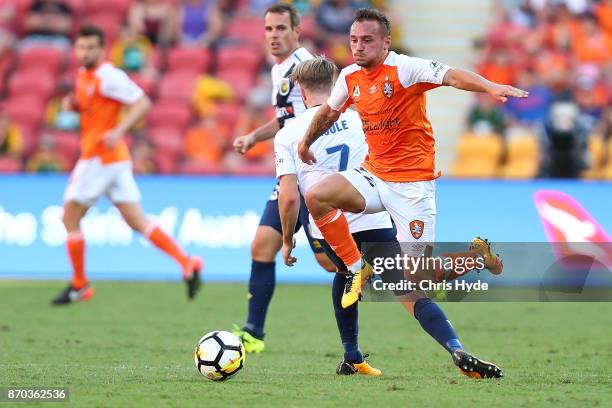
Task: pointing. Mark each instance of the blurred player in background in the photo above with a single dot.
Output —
(282, 29)
(343, 148)
(388, 92)
(104, 167)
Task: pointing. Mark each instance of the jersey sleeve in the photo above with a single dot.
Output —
(412, 70)
(115, 84)
(339, 99)
(283, 157)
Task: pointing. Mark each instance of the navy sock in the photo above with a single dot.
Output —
(434, 322)
(261, 288)
(346, 319)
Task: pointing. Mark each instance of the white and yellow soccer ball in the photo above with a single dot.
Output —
(219, 355)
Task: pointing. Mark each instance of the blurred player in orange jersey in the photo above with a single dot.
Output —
(388, 92)
(105, 167)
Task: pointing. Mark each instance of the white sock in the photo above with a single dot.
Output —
(353, 268)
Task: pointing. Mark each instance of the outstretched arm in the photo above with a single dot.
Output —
(471, 81)
(266, 131)
(322, 120)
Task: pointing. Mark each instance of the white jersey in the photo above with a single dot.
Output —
(342, 147)
(286, 97)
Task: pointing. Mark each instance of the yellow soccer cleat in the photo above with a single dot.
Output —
(354, 283)
(251, 343)
(492, 261)
(363, 368)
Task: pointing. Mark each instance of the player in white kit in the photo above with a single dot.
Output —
(282, 37)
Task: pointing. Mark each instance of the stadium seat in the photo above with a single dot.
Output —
(177, 86)
(35, 81)
(26, 110)
(197, 168)
(10, 165)
(241, 80)
(146, 84)
(245, 30)
(108, 22)
(247, 58)
(253, 169)
(477, 156)
(67, 144)
(41, 58)
(596, 147)
(30, 139)
(192, 59)
(167, 139)
(165, 163)
(169, 113)
(118, 7)
(522, 158)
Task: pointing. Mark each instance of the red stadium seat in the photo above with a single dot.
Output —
(168, 113)
(246, 29)
(146, 84)
(197, 168)
(241, 81)
(67, 144)
(168, 139)
(178, 86)
(165, 163)
(254, 169)
(10, 165)
(41, 58)
(37, 82)
(118, 7)
(30, 139)
(194, 59)
(108, 22)
(247, 58)
(26, 110)
(228, 114)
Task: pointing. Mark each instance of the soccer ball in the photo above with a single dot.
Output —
(219, 355)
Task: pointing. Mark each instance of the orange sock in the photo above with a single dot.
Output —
(165, 242)
(75, 244)
(335, 230)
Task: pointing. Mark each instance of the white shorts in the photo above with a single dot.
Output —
(412, 206)
(91, 179)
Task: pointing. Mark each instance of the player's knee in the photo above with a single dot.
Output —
(315, 199)
(263, 250)
(70, 222)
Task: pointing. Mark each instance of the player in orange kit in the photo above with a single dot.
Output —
(104, 167)
(397, 176)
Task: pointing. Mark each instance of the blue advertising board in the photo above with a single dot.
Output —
(216, 218)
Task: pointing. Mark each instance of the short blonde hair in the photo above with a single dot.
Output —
(316, 74)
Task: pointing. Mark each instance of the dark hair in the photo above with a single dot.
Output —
(370, 14)
(282, 8)
(90, 30)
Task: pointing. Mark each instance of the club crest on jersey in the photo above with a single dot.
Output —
(416, 228)
(388, 89)
(285, 86)
(356, 93)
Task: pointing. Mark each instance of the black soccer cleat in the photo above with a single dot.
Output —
(474, 367)
(70, 295)
(192, 274)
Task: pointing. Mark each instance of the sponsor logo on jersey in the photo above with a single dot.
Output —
(416, 228)
(372, 89)
(437, 66)
(388, 89)
(285, 86)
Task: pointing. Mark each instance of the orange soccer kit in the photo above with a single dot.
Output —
(399, 171)
(100, 94)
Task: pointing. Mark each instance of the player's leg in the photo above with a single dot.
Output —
(86, 184)
(262, 280)
(353, 361)
(412, 207)
(315, 244)
(353, 191)
(124, 194)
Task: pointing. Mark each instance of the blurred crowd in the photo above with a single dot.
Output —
(203, 62)
(561, 52)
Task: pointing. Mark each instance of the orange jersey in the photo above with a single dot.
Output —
(391, 104)
(100, 94)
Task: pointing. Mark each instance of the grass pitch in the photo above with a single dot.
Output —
(132, 345)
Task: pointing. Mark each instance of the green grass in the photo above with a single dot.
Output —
(132, 346)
